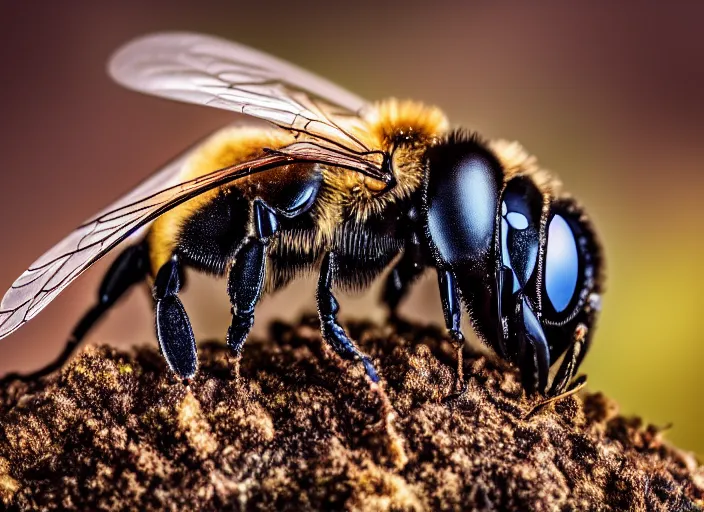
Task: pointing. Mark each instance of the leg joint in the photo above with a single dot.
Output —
(168, 280)
(264, 218)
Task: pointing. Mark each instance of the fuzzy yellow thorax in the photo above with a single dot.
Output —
(404, 129)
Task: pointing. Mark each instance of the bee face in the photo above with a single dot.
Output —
(526, 264)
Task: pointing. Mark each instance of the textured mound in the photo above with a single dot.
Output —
(300, 429)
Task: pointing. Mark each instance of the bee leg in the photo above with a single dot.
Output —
(129, 268)
(575, 387)
(452, 310)
(247, 276)
(570, 362)
(332, 331)
(335, 336)
(244, 286)
(401, 277)
(173, 328)
(533, 351)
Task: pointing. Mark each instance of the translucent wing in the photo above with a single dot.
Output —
(63, 263)
(211, 71)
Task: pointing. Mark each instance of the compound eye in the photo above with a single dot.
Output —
(561, 264)
(571, 264)
(571, 271)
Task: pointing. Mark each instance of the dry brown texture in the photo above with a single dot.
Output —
(302, 430)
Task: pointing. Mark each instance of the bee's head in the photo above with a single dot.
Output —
(527, 265)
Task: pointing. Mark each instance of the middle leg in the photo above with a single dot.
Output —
(337, 338)
(247, 275)
(332, 331)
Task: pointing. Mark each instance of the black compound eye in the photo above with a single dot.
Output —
(571, 263)
(571, 270)
(561, 264)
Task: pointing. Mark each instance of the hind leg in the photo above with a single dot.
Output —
(173, 328)
(245, 284)
(128, 269)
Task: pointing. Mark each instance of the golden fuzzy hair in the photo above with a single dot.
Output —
(403, 129)
(516, 160)
(392, 119)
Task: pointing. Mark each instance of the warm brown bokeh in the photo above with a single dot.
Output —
(612, 100)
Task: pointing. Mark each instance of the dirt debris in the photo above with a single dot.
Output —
(299, 429)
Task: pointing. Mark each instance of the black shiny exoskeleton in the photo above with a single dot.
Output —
(344, 188)
(525, 268)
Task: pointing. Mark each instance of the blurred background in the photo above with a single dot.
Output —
(611, 100)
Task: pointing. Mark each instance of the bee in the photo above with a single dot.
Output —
(343, 187)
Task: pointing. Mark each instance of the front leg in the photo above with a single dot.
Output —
(564, 384)
(452, 309)
(533, 350)
(570, 362)
(332, 331)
